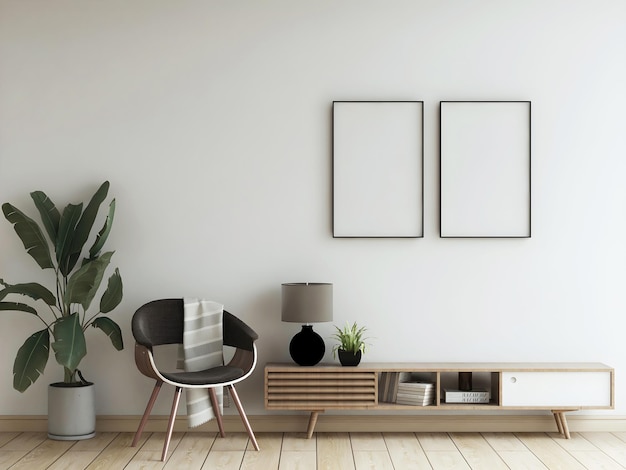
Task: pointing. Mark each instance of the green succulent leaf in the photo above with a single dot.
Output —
(67, 226)
(85, 224)
(48, 212)
(32, 289)
(69, 341)
(83, 284)
(31, 360)
(350, 338)
(111, 329)
(113, 295)
(17, 307)
(30, 234)
(103, 234)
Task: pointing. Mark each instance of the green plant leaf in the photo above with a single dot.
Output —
(83, 284)
(17, 307)
(48, 212)
(103, 234)
(113, 295)
(67, 227)
(31, 360)
(32, 289)
(69, 341)
(111, 329)
(85, 224)
(30, 234)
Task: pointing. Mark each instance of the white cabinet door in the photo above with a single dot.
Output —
(556, 389)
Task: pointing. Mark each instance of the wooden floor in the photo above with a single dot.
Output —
(340, 451)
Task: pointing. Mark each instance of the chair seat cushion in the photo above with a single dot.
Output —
(214, 375)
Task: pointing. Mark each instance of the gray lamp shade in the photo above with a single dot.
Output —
(307, 302)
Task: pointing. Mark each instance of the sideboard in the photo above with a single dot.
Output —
(555, 387)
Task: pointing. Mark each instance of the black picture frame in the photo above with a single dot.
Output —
(378, 169)
(485, 169)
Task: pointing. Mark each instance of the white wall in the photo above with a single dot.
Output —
(212, 120)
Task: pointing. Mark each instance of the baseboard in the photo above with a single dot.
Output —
(345, 423)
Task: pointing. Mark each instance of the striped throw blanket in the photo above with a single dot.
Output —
(202, 349)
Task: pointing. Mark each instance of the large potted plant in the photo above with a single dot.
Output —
(66, 309)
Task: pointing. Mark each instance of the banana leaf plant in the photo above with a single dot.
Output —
(65, 309)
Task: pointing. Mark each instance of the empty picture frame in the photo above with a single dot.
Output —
(485, 170)
(378, 166)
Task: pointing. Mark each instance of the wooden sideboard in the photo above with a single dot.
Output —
(555, 387)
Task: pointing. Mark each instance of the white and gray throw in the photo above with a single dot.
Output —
(202, 349)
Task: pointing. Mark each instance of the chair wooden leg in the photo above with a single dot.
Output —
(170, 424)
(216, 411)
(146, 414)
(244, 418)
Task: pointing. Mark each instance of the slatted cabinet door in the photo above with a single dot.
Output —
(304, 389)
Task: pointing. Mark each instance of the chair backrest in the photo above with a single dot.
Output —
(161, 322)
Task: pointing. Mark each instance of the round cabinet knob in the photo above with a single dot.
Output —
(513, 380)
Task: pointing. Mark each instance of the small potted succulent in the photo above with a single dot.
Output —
(351, 344)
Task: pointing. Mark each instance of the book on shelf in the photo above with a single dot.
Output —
(467, 396)
(415, 400)
(415, 393)
(388, 386)
(416, 386)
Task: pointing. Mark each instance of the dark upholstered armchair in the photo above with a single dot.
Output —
(160, 322)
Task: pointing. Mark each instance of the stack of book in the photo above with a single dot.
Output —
(471, 396)
(415, 393)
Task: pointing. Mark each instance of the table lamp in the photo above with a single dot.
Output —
(307, 303)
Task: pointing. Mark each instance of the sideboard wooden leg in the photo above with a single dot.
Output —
(564, 424)
(561, 423)
(312, 422)
(557, 418)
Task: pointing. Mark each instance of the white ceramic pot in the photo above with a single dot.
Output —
(71, 411)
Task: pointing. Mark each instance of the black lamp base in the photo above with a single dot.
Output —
(307, 347)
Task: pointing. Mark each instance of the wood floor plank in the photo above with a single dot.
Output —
(504, 441)
(596, 460)
(608, 443)
(118, 453)
(477, 451)
(293, 441)
(372, 460)
(372, 441)
(334, 450)
(75, 460)
(147, 459)
(232, 441)
(405, 451)
(156, 440)
(7, 436)
(549, 452)
(576, 442)
(44, 455)
(224, 460)
(99, 442)
(447, 460)
(191, 452)
(10, 457)
(297, 460)
(435, 441)
(26, 441)
(521, 460)
(268, 457)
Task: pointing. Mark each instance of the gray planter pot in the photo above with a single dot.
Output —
(71, 411)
